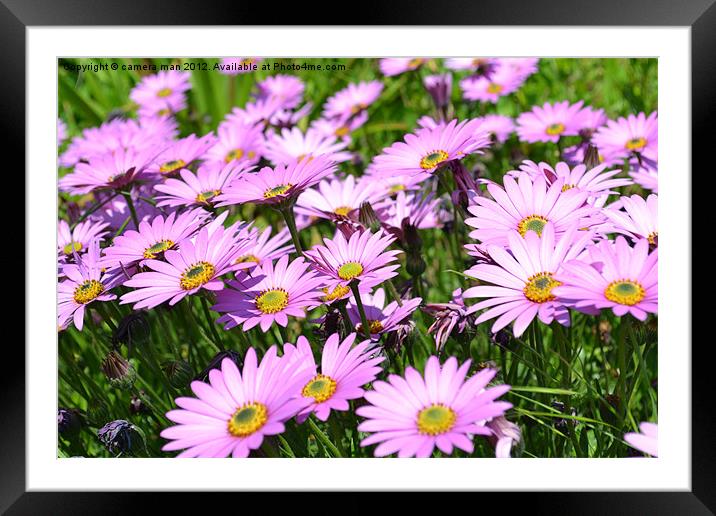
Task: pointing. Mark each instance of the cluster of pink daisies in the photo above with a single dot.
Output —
(163, 227)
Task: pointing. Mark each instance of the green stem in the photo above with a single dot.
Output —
(393, 292)
(211, 324)
(321, 436)
(287, 213)
(128, 197)
(359, 303)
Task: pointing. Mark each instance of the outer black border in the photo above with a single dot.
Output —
(700, 15)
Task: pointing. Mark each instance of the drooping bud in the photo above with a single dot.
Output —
(118, 370)
(120, 436)
(179, 373)
(414, 264)
(215, 363)
(403, 336)
(411, 236)
(132, 329)
(440, 89)
(69, 422)
(504, 436)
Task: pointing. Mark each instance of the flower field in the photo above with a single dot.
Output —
(398, 257)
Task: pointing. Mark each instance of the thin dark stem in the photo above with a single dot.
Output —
(128, 197)
(287, 213)
(359, 303)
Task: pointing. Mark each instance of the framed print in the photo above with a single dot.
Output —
(392, 263)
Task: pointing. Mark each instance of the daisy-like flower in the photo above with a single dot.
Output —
(269, 295)
(292, 144)
(501, 82)
(61, 131)
(429, 149)
(589, 120)
(479, 65)
(381, 318)
(202, 188)
(412, 415)
(154, 238)
(527, 205)
(500, 127)
(86, 283)
(237, 143)
(111, 171)
(146, 133)
(287, 88)
(636, 134)
(237, 65)
(232, 413)
(524, 278)
(338, 198)
(391, 66)
(636, 217)
(194, 266)
(647, 440)
(279, 185)
(622, 278)
(78, 239)
(646, 177)
(597, 181)
(266, 248)
(525, 66)
(422, 212)
(352, 100)
(548, 123)
(181, 154)
(162, 93)
(361, 259)
(338, 128)
(345, 369)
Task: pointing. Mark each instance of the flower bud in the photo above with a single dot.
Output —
(120, 436)
(179, 373)
(504, 436)
(69, 422)
(440, 89)
(132, 329)
(414, 264)
(411, 236)
(368, 217)
(118, 371)
(591, 157)
(215, 363)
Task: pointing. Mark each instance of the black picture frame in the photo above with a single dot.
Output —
(699, 15)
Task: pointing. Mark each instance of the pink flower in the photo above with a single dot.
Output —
(381, 318)
(162, 93)
(647, 441)
(270, 294)
(345, 369)
(620, 277)
(201, 189)
(352, 99)
(338, 198)
(396, 65)
(636, 134)
(232, 413)
(412, 415)
(294, 145)
(548, 123)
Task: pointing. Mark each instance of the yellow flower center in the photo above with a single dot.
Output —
(343, 211)
(272, 301)
(636, 144)
(164, 92)
(567, 187)
(196, 275)
(494, 88)
(72, 247)
(534, 223)
(249, 418)
(433, 159)
(625, 292)
(238, 154)
(338, 292)
(159, 247)
(397, 188)
(205, 197)
(373, 325)
(436, 419)
(277, 190)
(172, 166)
(320, 388)
(555, 129)
(342, 131)
(247, 61)
(357, 108)
(163, 112)
(88, 291)
(415, 62)
(248, 258)
(350, 270)
(652, 238)
(539, 287)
